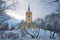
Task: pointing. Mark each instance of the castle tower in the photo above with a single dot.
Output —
(28, 17)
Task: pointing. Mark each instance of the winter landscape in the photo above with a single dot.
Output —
(29, 19)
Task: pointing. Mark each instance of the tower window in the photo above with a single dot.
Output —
(29, 20)
(28, 15)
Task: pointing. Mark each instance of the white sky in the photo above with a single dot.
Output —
(39, 9)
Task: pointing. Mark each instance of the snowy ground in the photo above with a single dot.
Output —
(27, 37)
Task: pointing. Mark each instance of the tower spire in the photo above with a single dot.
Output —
(28, 17)
(28, 7)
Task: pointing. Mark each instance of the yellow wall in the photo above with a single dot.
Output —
(28, 17)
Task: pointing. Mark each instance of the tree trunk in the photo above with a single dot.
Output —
(38, 33)
(53, 34)
(45, 32)
(50, 34)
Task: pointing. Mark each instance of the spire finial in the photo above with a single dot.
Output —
(28, 7)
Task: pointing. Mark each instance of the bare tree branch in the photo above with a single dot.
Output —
(5, 8)
(56, 1)
(28, 33)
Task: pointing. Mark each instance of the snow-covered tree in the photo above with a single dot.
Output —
(32, 31)
(4, 5)
(52, 3)
(4, 27)
(7, 4)
(49, 27)
(12, 27)
(54, 21)
(40, 22)
(11, 35)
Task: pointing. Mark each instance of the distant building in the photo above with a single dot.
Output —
(28, 23)
(28, 17)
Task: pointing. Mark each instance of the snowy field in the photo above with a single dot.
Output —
(42, 36)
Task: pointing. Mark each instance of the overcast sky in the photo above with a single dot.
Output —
(39, 8)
